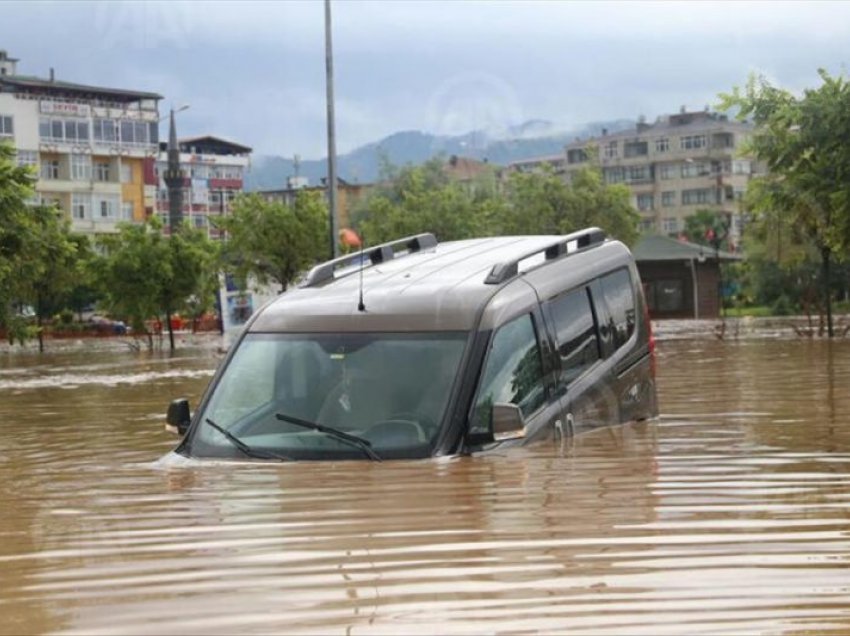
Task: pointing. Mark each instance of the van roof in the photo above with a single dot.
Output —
(440, 288)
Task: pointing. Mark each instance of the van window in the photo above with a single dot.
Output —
(575, 332)
(514, 373)
(620, 298)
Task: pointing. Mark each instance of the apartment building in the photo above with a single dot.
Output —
(214, 173)
(347, 195)
(674, 167)
(555, 163)
(93, 147)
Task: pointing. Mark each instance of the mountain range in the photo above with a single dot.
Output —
(534, 138)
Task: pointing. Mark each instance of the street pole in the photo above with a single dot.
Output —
(331, 185)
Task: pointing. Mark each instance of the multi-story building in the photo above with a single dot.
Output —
(214, 170)
(93, 147)
(674, 167)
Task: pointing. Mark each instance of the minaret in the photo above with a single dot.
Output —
(174, 178)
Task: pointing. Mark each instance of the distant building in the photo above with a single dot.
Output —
(674, 167)
(214, 171)
(93, 147)
(347, 195)
(556, 163)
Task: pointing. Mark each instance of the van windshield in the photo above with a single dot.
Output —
(389, 389)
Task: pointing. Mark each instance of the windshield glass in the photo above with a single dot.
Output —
(391, 390)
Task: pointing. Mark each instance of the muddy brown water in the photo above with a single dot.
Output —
(729, 514)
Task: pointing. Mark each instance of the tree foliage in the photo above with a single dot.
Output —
(53, 266)
(425, 198)
(802, 141)
(143, 274)
(272, 241)
(17, 238)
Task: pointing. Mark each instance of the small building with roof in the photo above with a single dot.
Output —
(680, 279)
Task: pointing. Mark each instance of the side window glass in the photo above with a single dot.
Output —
(514, 373)
(575, 331)
(619, 296)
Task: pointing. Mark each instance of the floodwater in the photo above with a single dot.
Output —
(730, 514)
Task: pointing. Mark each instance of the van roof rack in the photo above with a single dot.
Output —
(590, 237)
(376, 255)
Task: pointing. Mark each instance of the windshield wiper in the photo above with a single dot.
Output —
(351, 440)
(256, 453)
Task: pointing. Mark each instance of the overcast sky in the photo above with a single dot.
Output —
(254, 71)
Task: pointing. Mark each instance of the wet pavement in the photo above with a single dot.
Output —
(729, 514)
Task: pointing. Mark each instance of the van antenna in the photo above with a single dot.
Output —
(360, 305)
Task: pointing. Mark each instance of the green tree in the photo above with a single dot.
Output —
(272, 241)
(542, 203)
(802, 140)
(143, 273)
(416, 199)
(17, 233)
(53, 269)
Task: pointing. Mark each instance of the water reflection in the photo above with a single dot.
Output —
(728, 514)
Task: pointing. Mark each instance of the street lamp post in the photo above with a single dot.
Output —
(329, 72)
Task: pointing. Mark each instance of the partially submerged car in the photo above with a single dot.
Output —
(416, 348)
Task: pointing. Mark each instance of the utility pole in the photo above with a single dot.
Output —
(331, 184)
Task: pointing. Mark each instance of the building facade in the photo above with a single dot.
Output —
(347, 195)
(214, 173)
(93, 147)
(674, 167)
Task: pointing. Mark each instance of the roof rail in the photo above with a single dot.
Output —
(567, 244)
(376, 255)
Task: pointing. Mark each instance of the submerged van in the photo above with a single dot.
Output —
(416, 349)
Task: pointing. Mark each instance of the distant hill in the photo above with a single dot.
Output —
(532, 139)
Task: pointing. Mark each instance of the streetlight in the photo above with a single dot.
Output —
(174, 176)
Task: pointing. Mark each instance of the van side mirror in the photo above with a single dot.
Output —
(507, 422)
(178, 418)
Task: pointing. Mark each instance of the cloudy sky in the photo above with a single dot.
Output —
(254, 71)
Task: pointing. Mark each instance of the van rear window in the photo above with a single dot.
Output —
(620, 298)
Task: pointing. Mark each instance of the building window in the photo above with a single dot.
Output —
(692, 142)
(635, 149)
(662, 144)
(81, 167)
(126, 173)
(741, 166)
(614, 175)
(671, 225)
(200, 221)
(105, 130)
(666, 171)
(665, 295)
(80, 206)
(693, 197)
(668, 199)
(6, 126)
(611, 150)
(106, 208)
(644, 202)
(50, 169)
(646, 225)
(27, 158)
(76, 130)
(101, 171)
(637, 173)
(127, 210)
(695, 169)
(71, 130)
(576, 155)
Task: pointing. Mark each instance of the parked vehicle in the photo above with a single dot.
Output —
(428, 349)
